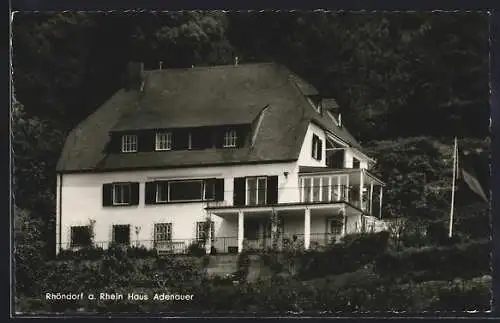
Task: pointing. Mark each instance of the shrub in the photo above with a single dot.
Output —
(243, 266)
(439, 262)
(196, 249)
(141, 252)
(353, 252)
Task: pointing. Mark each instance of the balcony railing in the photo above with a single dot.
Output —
(218, 244)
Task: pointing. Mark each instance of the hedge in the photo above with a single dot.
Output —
(353, 252)
(463, 260)
(284, 295)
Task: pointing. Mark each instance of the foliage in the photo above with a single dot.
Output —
(27, 256)
(196, 248)
(243, 264)
(360, 292)
(442, 262)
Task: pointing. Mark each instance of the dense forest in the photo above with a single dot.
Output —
(407, 83)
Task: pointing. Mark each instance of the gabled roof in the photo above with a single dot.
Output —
(200, 96)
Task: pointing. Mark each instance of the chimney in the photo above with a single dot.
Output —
(135, 76)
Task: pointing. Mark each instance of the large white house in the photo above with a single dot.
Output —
(234, 146)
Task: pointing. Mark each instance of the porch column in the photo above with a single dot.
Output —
(344, 222)
(380, 201)
(208, 243)
(361, 185)
(241, 220)
(371, 197)
(307, 228)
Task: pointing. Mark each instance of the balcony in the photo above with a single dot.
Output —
(358, 187)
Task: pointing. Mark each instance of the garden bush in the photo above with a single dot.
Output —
(243, 264)
(353, 252)
(440, 262)
(196, 249)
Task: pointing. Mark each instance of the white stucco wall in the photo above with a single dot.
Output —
(305, 156)
(82, 200)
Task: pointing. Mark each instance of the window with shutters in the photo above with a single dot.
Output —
(81, 236)
(201, 231)
(121, 193)
(163, 141)
(162, 232)
(121, 234)
(230, 138)
(192, 190)
(317, 147)
(256, 190)
(129, 143)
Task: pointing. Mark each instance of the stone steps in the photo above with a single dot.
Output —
(222, 265)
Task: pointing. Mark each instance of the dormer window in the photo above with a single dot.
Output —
(316, 104)
(230, 138)
(129, 143)
(163, 141)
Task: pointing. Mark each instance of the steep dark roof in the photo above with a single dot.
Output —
(196, 97)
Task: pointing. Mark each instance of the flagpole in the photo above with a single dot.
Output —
(455, 157)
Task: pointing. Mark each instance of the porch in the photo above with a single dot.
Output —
(280, 226)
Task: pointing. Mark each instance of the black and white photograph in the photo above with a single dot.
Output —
(250, 163)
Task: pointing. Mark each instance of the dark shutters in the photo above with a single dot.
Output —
(320, 149)
(115, 143)
(150, 193)
(146, 141)
(272, 190)
(219, 137)
(317, 148)
(107, 194)
(180, 139)
(219, 189)
(314, 145)
(210, 189)
(239, 191)
(240, 137)
(134, 193)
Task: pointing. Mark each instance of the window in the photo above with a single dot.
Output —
(230, 138)
(163, 141)
(201, 231)
(129, 143)
(324, 188)
(256, 190)
(316, 189)
(162, 232)
(316, 103)
(335, 226)
(307, 189)
(161, 192)
(80, 236)
(121, 193)
(186, 190)
(355, 163)
(317, 148)
(121, 234)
